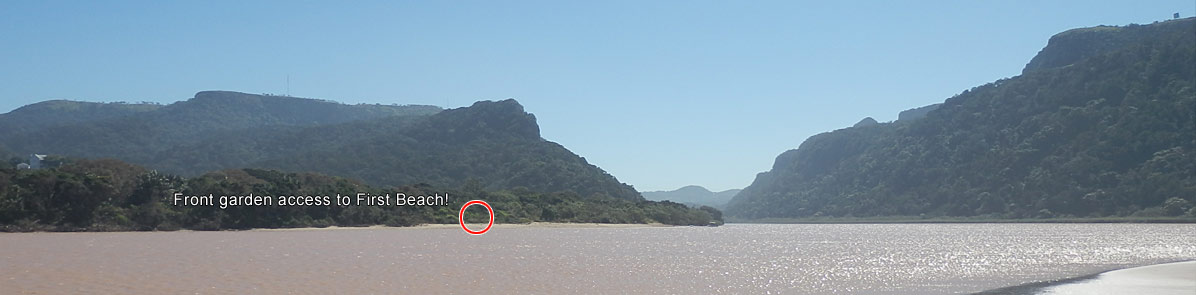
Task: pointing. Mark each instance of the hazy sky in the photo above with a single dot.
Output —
(661, 94)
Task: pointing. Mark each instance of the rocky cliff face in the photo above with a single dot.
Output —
(485, 118)
(1070, 46)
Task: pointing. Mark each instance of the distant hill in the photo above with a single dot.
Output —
(693, 195)
(139, 133)
(54, 113)
(1101, 123)
(867, 121)
(496, 144)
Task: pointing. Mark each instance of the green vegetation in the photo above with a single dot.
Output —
(110, 195)
(1101, 124)
(1072, 46)
(495, 143)
(54, 113)
(229, 143)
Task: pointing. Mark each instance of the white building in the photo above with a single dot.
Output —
(35, 161)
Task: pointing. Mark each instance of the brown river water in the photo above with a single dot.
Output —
(732, 259)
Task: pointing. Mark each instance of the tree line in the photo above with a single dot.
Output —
(111, 195)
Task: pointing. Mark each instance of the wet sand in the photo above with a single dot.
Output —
(1157, 279)
(1168, 278)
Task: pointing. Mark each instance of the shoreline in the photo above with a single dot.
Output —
(4, 230)
(915, 219)
(475, 226)
(1159, 276)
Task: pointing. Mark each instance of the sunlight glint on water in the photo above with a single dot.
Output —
(801, 259)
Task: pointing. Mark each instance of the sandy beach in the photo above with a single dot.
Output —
(1158, 279)
(1161, 279)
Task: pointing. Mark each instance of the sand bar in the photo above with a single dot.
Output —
(1161, 279)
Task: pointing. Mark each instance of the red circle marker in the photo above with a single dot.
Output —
(461, 216)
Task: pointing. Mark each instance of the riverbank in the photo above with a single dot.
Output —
(478, 226)
(1159, 279)
(378, 226)
(917, 219)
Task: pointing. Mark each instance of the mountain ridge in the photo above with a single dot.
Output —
(693, 195)
(495, 143)
(1106, 134)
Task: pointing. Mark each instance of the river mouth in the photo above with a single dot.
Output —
(735, 259)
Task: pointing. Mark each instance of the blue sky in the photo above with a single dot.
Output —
(661, 94)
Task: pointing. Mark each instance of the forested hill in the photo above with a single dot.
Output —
(1101, 123)
(1074, 45)
(495, 143)
(52, 113)
(141, 132)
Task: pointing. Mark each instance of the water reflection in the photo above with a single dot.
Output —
(790, 259)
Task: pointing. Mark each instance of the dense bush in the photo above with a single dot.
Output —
(105, 195)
